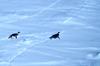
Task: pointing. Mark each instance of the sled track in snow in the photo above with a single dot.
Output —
(24, 50)
(85, 11)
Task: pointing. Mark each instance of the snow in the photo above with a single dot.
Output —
(78, 24)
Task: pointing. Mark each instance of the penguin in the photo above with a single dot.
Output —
(54, 36)
(14, 35)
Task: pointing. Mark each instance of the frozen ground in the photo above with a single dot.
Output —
(77, 20)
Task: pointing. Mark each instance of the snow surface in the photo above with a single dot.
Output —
(77, 20)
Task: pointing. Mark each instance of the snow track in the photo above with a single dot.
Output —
(78, 22)
(30, 45)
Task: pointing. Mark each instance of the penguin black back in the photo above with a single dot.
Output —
(54, 36)
(14, 35)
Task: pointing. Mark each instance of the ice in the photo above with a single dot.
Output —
(78, 24)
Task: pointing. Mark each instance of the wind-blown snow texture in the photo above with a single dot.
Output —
(77, 20)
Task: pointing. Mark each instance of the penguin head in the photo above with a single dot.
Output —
(18, 32)
(58, 32)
